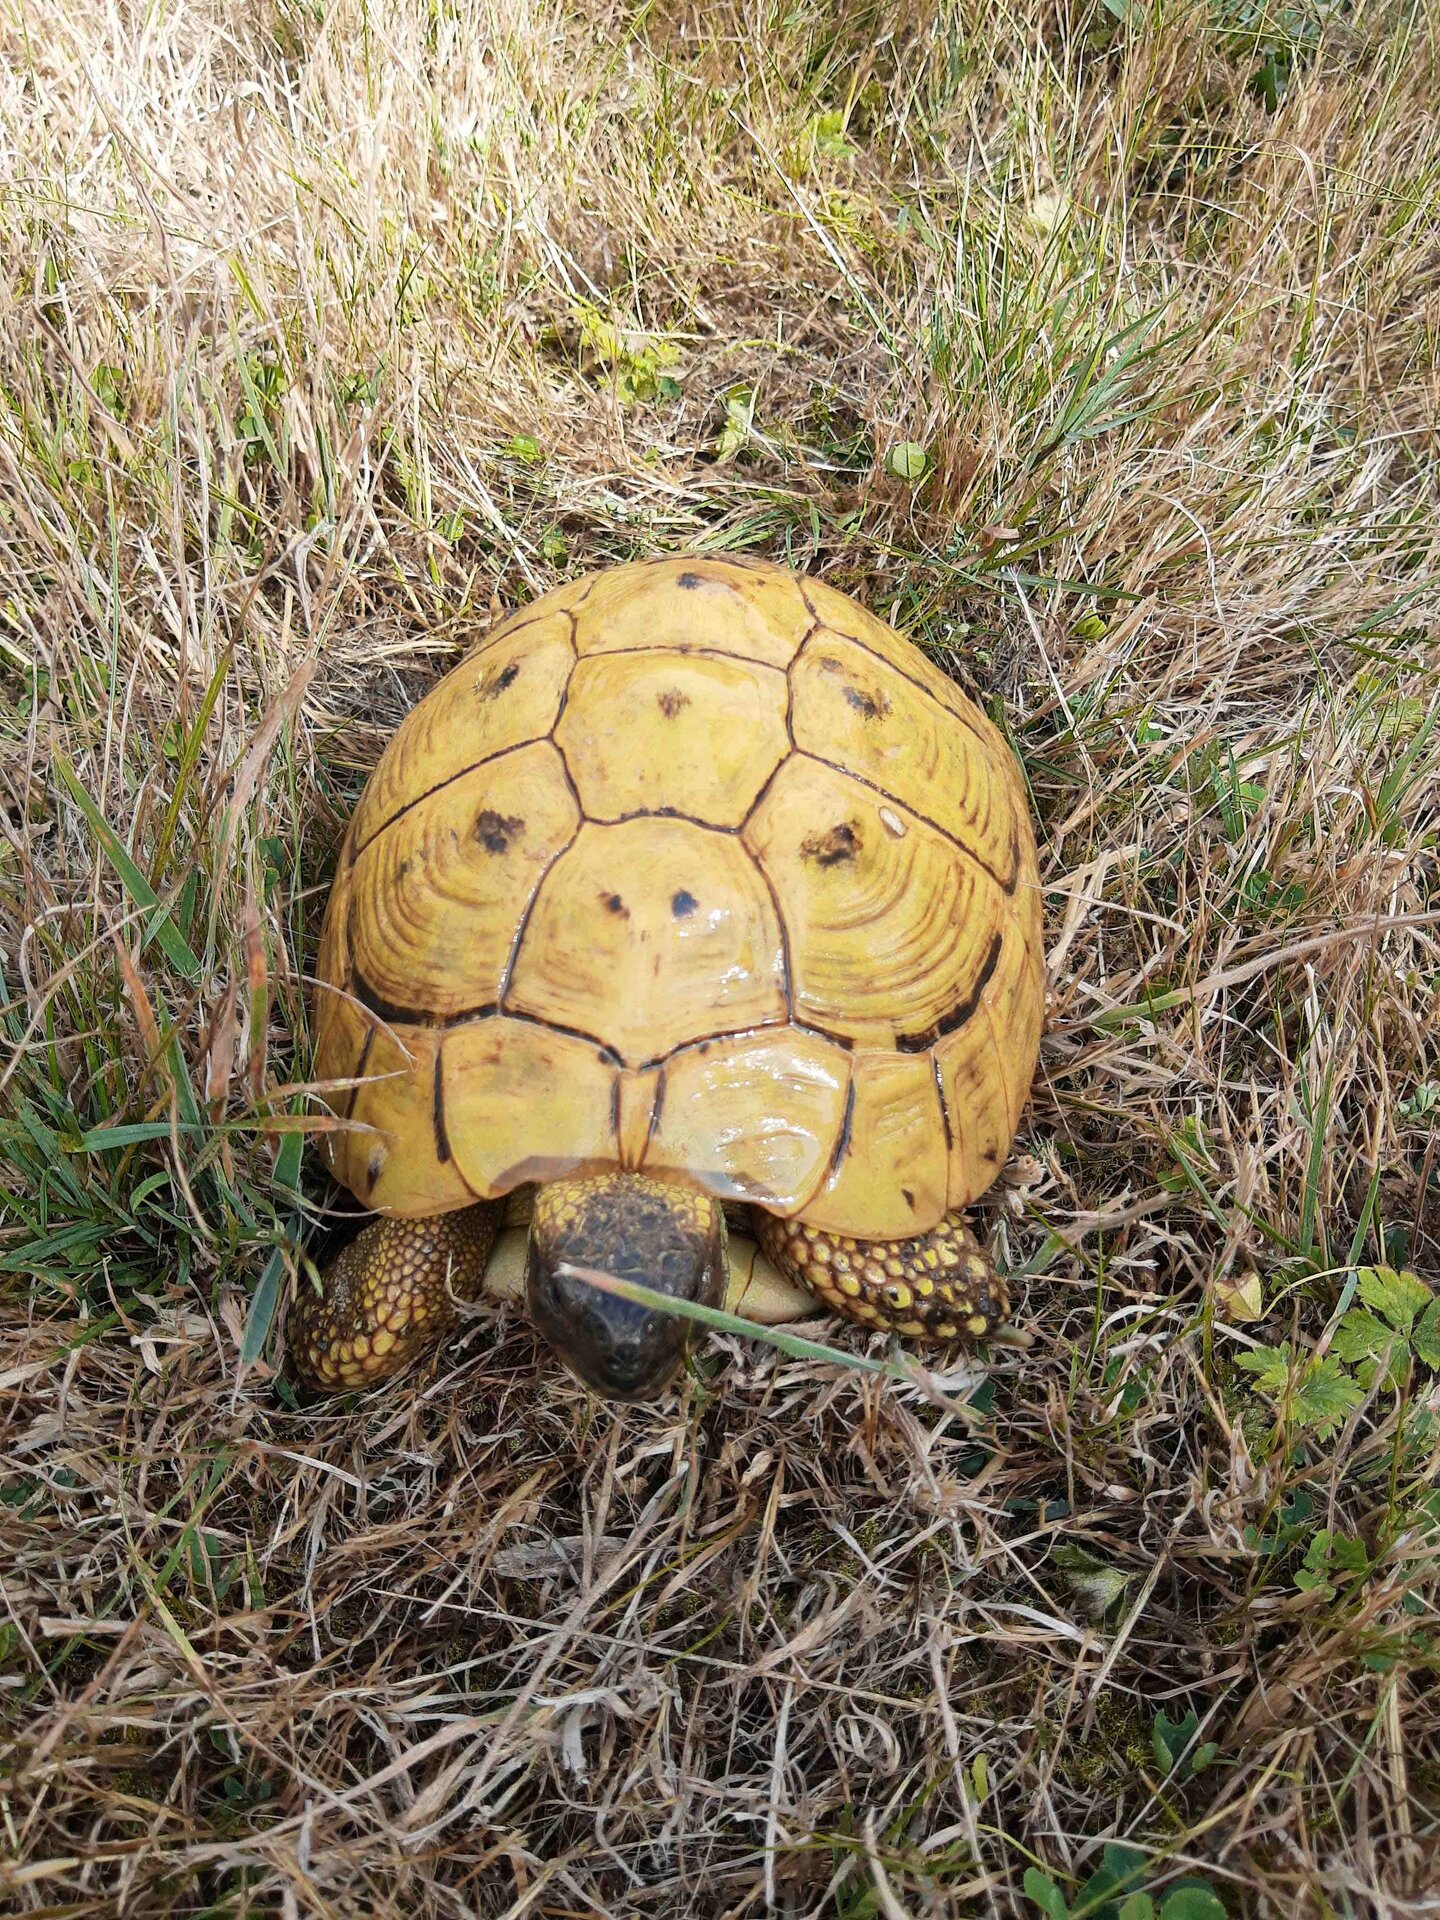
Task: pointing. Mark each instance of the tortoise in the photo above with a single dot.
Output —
(693, 886)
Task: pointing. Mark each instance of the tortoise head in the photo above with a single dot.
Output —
(626, 1227)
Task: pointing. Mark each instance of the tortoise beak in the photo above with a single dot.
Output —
(619, 1349)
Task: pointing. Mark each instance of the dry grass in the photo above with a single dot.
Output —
(322, 331)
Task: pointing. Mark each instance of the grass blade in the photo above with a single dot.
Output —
(159, 927)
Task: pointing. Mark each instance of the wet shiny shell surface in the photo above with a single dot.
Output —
(693, 867)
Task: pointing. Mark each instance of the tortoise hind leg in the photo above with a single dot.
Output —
(939, 1285)
(389, 1296)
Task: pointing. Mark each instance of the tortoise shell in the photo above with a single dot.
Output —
(695, 867)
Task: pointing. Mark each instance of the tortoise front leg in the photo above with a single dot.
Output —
(389, 1296)
(940, 1285)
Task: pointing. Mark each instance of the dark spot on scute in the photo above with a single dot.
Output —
(405, 867)
(494, 684)
(829, 849)
(689, 580)
(671, 701)
(871, 706)
(375, 1168)
(614, 904)
(908, 1197)
(683, 904)
(497, 832)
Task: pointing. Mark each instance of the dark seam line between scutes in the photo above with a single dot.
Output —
(507, 973)
(945, 1120)
(840, 1040)
(760, 799)
(352, 1093)
(1007, 887)
(459, 1172)
(962, 1011)
(391, 1014)
(662, 1060)
(506, 630)
(842, 1144)
(687, 652)
(437, 1115)
(608, 1056)
(569, 779)
(563, 703)
(655, 1110)
(904, 673)
(664, 813)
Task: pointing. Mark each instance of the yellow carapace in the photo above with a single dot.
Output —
(694, 886)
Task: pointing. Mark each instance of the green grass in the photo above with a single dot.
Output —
(1097, 346)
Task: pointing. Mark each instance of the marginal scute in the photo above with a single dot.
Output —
(891, 1177)
(985, 1068)
(889, 932)
(343, 1035)
(507, 692)
(847, 617)
(855, 711)
(695, 603)
(566, 598)
(391, 1160)
(753, 1117)
(672, 732)
(523, 1102)
(606, 954)
(439, 894)
(332, 965)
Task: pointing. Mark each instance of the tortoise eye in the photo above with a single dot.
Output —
(674, 1270)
